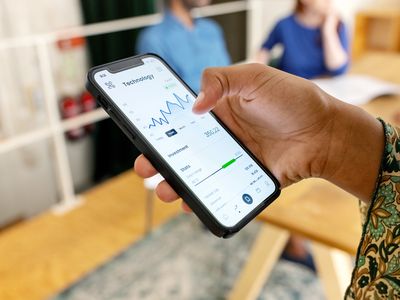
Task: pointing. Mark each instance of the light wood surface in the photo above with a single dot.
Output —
(44, 255)
(384, 66)
(318, 211)
(376, 29)
(334, 269)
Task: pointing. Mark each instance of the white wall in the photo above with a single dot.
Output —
(27, 178)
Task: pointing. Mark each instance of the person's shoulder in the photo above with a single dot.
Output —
(209, 24)
(149, 38)
(286, 21)
(153, 30)
(151, 35)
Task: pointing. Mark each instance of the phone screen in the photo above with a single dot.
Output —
(222, 175)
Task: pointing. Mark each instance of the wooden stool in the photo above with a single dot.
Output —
(318, 211)
(150, 185)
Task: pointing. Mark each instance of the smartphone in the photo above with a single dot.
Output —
(214, 173)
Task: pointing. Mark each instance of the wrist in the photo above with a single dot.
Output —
(355, 150)
(330, 25)
(329, 28)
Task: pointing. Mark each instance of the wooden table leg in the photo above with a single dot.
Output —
(334, 269)
(150, 195)
(265, 252)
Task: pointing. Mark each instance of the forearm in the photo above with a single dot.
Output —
(355, 151)
(335, 56)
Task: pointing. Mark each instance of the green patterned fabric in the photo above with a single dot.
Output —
(377, 271)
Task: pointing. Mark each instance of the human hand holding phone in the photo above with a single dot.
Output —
(276, 127)
(295, 129)
(220, 179)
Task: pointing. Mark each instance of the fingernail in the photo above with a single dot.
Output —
(200, 98)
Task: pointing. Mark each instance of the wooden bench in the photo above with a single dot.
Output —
(318, 211)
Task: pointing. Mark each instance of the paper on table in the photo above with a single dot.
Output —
(357, 89)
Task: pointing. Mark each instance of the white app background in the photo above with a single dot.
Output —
(222, 175)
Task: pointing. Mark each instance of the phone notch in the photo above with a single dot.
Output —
(125, 64)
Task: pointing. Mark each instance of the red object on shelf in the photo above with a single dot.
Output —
(64, 44)
(88, 104)
(69, 109)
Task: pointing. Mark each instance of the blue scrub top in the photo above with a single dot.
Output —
(303, 52)
(187, 50)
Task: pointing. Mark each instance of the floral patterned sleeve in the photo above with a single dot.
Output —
(377, 271)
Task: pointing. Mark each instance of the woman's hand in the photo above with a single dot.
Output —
(331, 20)
(296, 130)
(335, 55)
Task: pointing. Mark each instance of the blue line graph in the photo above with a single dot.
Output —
(169, 111)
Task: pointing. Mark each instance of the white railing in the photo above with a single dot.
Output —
(56, 126)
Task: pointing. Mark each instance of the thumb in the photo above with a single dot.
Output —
(238, 80)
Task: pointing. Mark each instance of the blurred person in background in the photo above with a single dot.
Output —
(315, 44)
(189, 45)
(314, 39)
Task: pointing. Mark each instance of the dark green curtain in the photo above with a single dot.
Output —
(113, 152)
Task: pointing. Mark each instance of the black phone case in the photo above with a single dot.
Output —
(162, 166)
